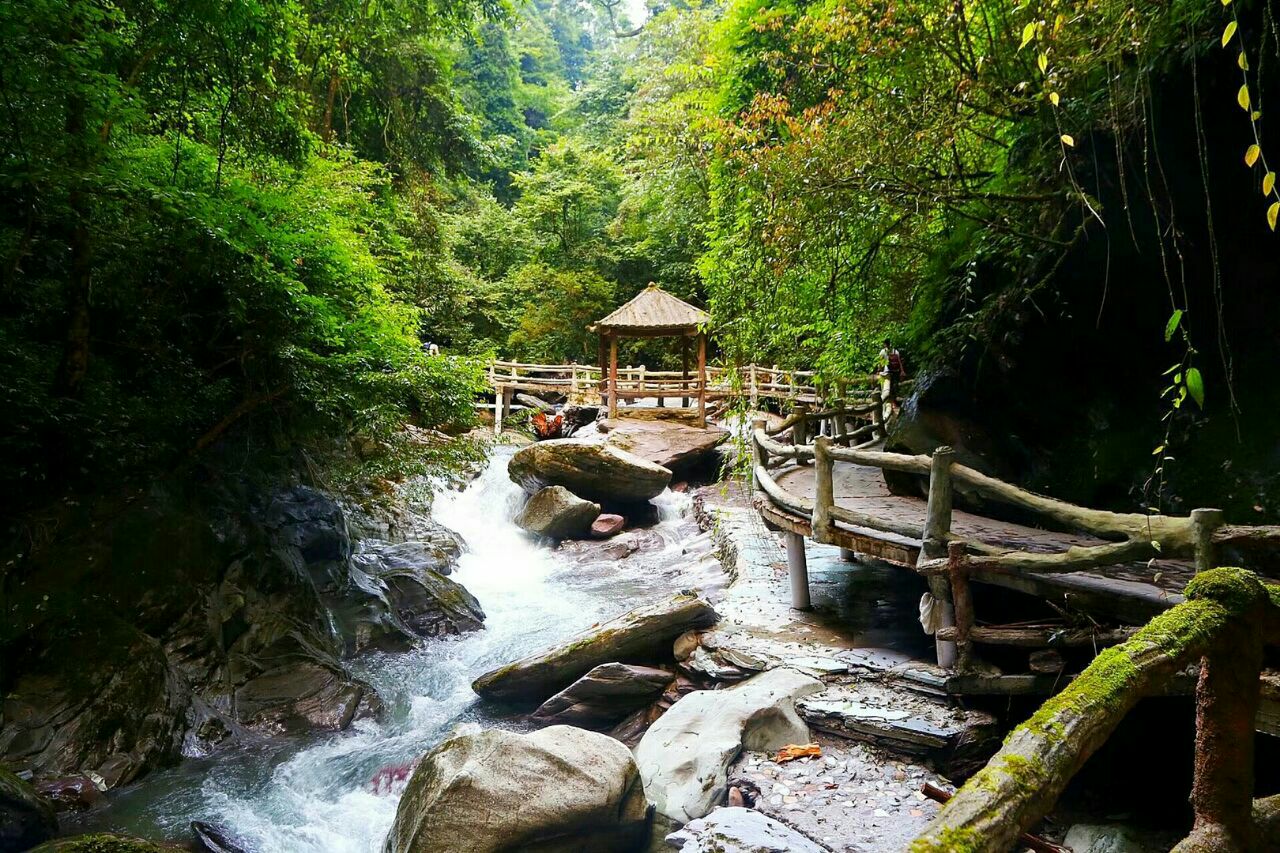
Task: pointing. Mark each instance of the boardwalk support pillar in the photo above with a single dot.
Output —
(501, 406)
(798, 570)
(937, 528)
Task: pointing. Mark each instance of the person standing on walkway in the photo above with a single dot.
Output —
(892, 373)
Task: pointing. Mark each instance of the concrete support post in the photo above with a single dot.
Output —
(798, 571)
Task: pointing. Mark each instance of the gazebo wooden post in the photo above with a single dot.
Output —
(613, 376)
(702, 379)
(602, 361)
(684, 372)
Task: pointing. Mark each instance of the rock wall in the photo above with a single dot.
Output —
(165, 622)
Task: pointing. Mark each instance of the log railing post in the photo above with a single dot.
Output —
(800, 429)
(751, 384)
(1227, 698)
(937, 527)
(962, 601)
(877, 420)
(759, 456)
(1203, 523)
(824, 494)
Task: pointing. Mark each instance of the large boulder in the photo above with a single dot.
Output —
(739, 830)
(591, 470)
(940, 412)
(26, 819)
(680, 447)
(605, 695)
(557, 513)
(558, 789)
(684, 757)
(644, 633)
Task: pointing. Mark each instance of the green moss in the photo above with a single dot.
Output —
(1233, 588)
(949, 840)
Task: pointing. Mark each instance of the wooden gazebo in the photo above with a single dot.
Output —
(654, 313)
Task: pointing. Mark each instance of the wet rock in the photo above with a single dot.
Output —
(557, 789)
(431, 605)
(557, 513)
(536, 403)
(672, 445)
(576, 417)
(941, 411)
(70, 793)
(607, 525)
(644, 633)
(111, 704)
(104, 843)
(304, 696)
(605, 695)
(590, 470)
(25, 818)
(740, 830)
(1104, 838)
(215, 839)
(685, 755)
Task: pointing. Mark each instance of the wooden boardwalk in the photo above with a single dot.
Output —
(1131, 591)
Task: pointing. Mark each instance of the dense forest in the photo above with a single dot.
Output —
(247, 220)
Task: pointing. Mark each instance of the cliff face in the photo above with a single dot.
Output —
(160, 624)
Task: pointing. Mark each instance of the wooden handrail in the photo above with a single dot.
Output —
(1227, 617)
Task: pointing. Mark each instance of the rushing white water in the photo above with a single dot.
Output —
(318, 795)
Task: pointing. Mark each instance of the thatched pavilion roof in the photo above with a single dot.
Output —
(653, 312)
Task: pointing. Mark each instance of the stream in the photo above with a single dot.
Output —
(317, 794)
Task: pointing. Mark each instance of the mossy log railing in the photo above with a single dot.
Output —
(1227, 618)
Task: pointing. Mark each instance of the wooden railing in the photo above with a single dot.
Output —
(1127, 537)
(1227, 619)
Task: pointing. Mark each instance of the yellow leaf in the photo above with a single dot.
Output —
(1242, 97)
(1272, 212)
(1043, 61)
(1252, 154)
(1228, 33)
(1255, 115)
(1028, 33)
(1268, 183)
(1054, 99)
(1226, 2)
(1242, 61)
(1068, 140)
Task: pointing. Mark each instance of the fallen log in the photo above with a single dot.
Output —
(1026, 839)
(1041, 638)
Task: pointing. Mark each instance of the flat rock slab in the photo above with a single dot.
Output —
(605, 695)
(672, 445)
(640, 634)
(685, 755)
(591, 470)
(954, 739)
(739, 830)
(556, 790)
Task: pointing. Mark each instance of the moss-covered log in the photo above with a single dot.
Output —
(1024, 779)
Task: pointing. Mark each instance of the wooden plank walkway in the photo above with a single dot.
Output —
(1128, 591)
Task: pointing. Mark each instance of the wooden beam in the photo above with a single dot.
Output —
(613, 376)
(702, 379)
